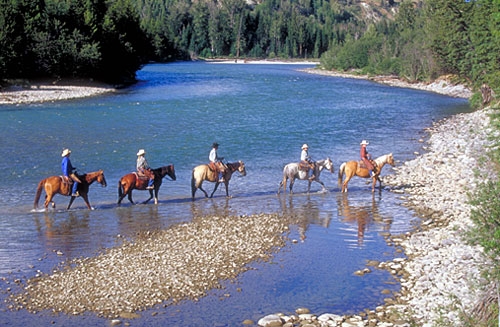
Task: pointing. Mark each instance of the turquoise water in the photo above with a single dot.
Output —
(260, 114)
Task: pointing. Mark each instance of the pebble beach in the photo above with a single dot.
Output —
(440, 273)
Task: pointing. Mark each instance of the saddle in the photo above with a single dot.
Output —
(362, 164)
(305, 166)
(216, 167)
(145, 174)
(67, 184)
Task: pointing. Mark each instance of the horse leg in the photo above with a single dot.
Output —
(48, 199)
(215, 189)
(226, 183)
(129, 196)
(283, 184)
(156, 195)
(71, 199)
(201, 189)
(321, 183)
(344, 184)
(150, 197)
(121, 192)
(292, 181)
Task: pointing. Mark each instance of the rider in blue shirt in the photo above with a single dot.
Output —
(67, 170)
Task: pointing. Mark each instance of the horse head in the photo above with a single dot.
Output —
(329, 165)
(101, 179)
(390, 159)
(171, 172)
(241, 168)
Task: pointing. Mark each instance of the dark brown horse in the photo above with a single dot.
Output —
(56, 185)
(353, 168)
(132, 181)
(204, 173)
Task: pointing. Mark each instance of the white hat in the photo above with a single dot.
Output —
(65, 152)
(364, 142)
(305, 146)
(141, 152)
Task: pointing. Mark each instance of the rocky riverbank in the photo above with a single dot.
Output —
(39, 91)
(440, 278)
(443, 85)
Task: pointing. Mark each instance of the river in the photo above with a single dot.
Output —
(258, 113)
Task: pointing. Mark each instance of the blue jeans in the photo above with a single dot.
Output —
(75, 187)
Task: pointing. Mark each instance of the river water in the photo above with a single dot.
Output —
(258, 113)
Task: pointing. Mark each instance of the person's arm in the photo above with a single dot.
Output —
(64, 167)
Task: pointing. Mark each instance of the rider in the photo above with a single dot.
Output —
(305, 158)
(216, 162)
(144, 169)
(68, 171)
(366, 157)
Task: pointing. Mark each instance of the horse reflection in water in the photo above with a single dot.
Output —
(304, 213)
(67, 235)
(363, 215)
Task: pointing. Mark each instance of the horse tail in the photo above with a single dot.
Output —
(38, 193)
(120, 189)
(341, 173)
(193, 184)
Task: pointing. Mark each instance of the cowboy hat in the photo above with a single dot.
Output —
(364, 142)
(65, 152)
(305, 146)
(141, 152)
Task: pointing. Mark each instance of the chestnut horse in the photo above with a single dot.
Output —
(132, 181)
(204, 173)
(292, 172)
(353, 168)
(55, 184)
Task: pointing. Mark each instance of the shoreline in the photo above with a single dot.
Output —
(40, 91)
(442, 85)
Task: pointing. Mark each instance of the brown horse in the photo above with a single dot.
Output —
(55, 184)
(204, 173)
(353, 168)
(132, 181)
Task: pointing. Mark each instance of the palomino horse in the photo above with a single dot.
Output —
(56, 184)
(204, 173)
(352, 168)
(132, 181)
(292, 172)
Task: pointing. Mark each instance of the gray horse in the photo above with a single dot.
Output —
(292, 172)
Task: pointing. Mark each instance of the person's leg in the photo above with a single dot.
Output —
(75, 188)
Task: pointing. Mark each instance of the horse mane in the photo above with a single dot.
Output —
(89, 176)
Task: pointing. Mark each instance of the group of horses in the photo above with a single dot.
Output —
(59, 185)
(350, 169)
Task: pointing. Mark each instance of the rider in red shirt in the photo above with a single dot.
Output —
(366, 157)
